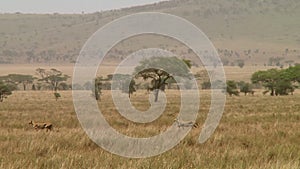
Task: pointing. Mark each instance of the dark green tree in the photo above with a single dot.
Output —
(245, 87)
(267, 78)
(278, 82)
(284, 87)
(5, 90)
(157, 68)
(232, 88)
(293, 73)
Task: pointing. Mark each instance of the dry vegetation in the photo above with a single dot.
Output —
(255, 132)
(270, 27)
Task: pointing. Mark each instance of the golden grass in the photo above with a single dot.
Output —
(255, 132)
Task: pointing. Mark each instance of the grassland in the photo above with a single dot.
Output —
(255, 132)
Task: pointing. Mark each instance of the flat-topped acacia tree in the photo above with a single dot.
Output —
(16, 79)
(158, 69)
(278, 81)
(53, 77)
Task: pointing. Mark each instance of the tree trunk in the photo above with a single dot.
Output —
(97, 96)
(33, 87)
(55, 87)
(156, 91)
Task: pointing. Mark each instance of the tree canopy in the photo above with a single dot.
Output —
(15, 79)
(160, 70)
(278, 82)
(53, 77)
(245, 87)
(232, 88)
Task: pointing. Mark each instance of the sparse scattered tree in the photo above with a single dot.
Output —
(98, 87)
(5, 90)
(232, 88)
(245, 87)
(17, 79)
(278, 82)
(267, 78)
(148, 69)
(240, 63)
(53, 77)
(57, 95)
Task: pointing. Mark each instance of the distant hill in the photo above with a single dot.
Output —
(260, 32)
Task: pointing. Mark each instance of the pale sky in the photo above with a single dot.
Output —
(67, 6)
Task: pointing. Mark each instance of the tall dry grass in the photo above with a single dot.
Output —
(255, 132)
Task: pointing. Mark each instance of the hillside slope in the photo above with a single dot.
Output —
(248, 30)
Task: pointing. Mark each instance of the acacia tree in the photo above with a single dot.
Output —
(267, 78)
(132, 88)
(53, 77)
(19, 79)
(284, 87)
(279, 82)
(286, 78)
(157, 69)
(293, 73)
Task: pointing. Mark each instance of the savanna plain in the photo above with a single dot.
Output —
(255, 132)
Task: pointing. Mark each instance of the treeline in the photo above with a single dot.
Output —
(52, 79)
(275, 81)
(278, 81)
